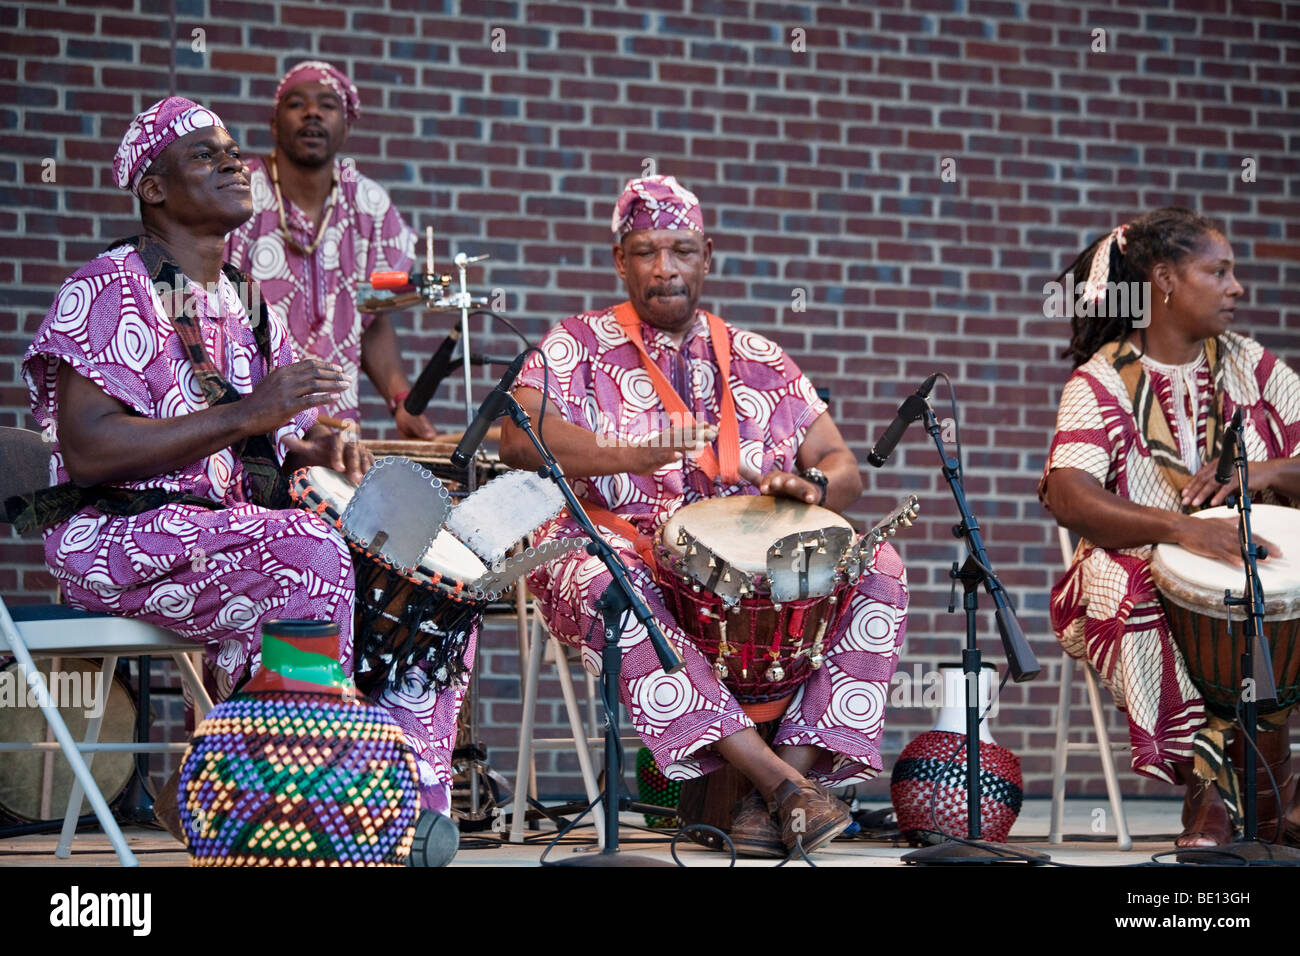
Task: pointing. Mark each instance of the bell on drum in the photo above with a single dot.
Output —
(1191, 590)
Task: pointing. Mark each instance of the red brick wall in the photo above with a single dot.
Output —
(818, 155)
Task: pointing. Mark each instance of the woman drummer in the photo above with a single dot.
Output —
(1151, 303)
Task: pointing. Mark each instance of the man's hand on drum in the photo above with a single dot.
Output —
(341, 451)
(1204, 489)
(672, 444)
(289, 390)
(1218, 538)
(782, 484)
(415, 427)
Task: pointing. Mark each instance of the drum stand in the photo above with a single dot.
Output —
(1257, 665)
(619, 599)
(1020, 657)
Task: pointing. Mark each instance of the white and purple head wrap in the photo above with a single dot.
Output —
(656, 202)
(321, 72)
(152, 132)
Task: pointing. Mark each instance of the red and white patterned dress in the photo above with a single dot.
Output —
(598, 383)
(1106, 606)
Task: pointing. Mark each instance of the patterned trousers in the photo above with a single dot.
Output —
(215, 577)
(839, 709)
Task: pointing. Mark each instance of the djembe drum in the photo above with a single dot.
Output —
(423, 618)
(759, 584)
(1191, 590)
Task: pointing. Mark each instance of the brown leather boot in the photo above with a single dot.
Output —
(809, 813)
(1205, 815)
(1275, 751)
(753, 831)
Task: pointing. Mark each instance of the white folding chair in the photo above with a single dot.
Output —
(41, 631)
(1101, 744)
(580, 741)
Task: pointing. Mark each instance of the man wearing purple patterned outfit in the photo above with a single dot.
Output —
(171, 423)
(319, 228)
(604, 415)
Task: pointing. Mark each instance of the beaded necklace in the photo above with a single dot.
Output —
(325, 218)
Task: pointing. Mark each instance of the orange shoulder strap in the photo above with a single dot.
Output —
(727, 460)
(643, 543)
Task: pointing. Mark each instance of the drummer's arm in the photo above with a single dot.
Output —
(382, 362)
(582, 453)
(1079, 502)
(823, 448)
(103, 440)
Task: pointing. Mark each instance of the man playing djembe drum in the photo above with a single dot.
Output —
(1124, 482)
(174, 413)
(614, 376)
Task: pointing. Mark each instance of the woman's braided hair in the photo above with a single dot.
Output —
(1169, 234)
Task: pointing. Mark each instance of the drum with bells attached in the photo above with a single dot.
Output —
(1191, 590)
(403, 620)
(759, 583)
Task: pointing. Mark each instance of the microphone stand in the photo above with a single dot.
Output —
(1020, 658)
(1257, 663)
(619, 598)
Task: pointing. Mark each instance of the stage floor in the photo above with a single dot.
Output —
(1152, 823)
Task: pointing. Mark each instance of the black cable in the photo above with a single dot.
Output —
(507, 323)
(700, 828)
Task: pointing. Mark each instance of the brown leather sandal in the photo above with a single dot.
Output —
(1205, 815)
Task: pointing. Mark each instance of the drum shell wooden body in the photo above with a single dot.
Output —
(1192, 598)
(1214, 659)
(755, 625)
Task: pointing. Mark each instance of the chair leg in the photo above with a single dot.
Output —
(66, 743)
(523, 788)
(1122, 838)
(1061, 755)
(75, 797)
(579, 731)
(192, 677)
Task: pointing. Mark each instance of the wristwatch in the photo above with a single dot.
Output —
(815, 476)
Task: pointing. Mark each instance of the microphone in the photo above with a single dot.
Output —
(400, 280)
(488, 412)
(911, 409)
(439, 368)
(1224, 472)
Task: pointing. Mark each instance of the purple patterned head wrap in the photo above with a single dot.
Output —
(656, 202)
(152, 132)
(321, 72)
